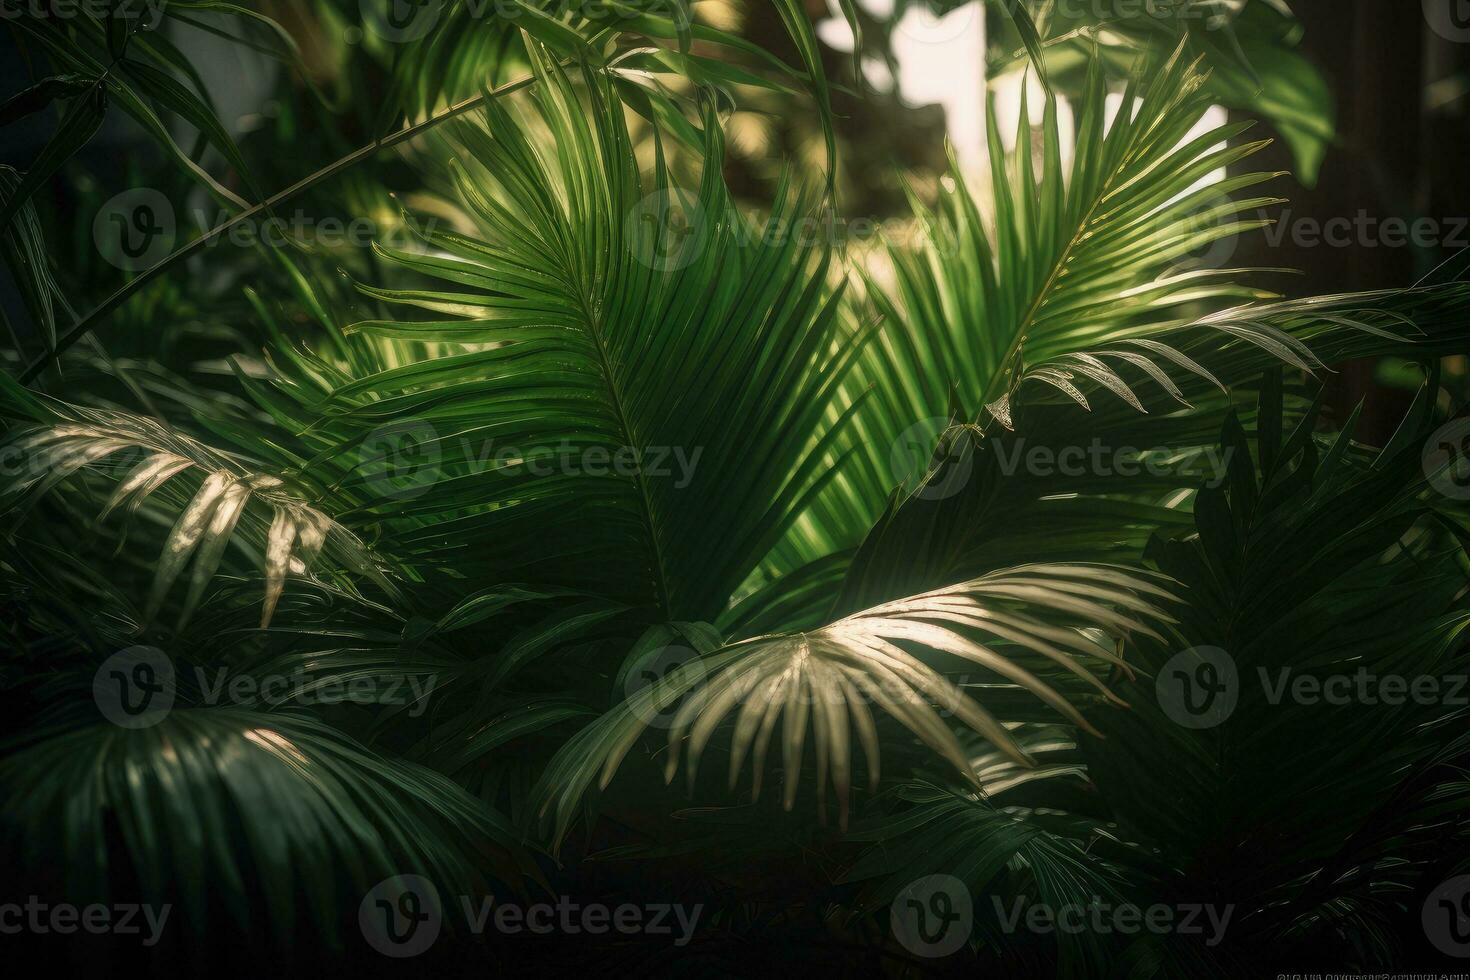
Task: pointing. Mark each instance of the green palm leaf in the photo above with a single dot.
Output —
(247, 824)
(292, 538)
(827, 678)
(588, 331)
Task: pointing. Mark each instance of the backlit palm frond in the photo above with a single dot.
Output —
(1055, 288)
(1072, 256)
(286, 535)
(1075, 257)
(828, 677)
(623, 402)
(1257, 66)
(1239, 342)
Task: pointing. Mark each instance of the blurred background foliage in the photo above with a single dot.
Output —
(217, 104)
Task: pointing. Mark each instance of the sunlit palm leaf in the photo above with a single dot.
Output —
(587, 324)
(827, 677)
(289, 541)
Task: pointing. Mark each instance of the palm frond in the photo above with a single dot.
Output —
(587, 328)
(1068, 259)
(1317, 558)
(288, 542)
(1239, 342)
(827, 677)
(247, 824)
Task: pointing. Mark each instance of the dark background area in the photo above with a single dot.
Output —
(1403, 132)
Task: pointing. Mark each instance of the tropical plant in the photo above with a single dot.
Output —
(595, 474)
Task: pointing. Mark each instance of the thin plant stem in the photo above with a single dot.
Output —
(126, 291)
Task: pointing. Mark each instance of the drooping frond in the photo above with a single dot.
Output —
(828, 677)
(286, 532)
(1241, 341)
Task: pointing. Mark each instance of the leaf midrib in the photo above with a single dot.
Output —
(625, 426)
(1023, 328)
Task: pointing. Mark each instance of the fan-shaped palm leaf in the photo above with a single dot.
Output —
(289, 541)
(593, 332)
(828, 676)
